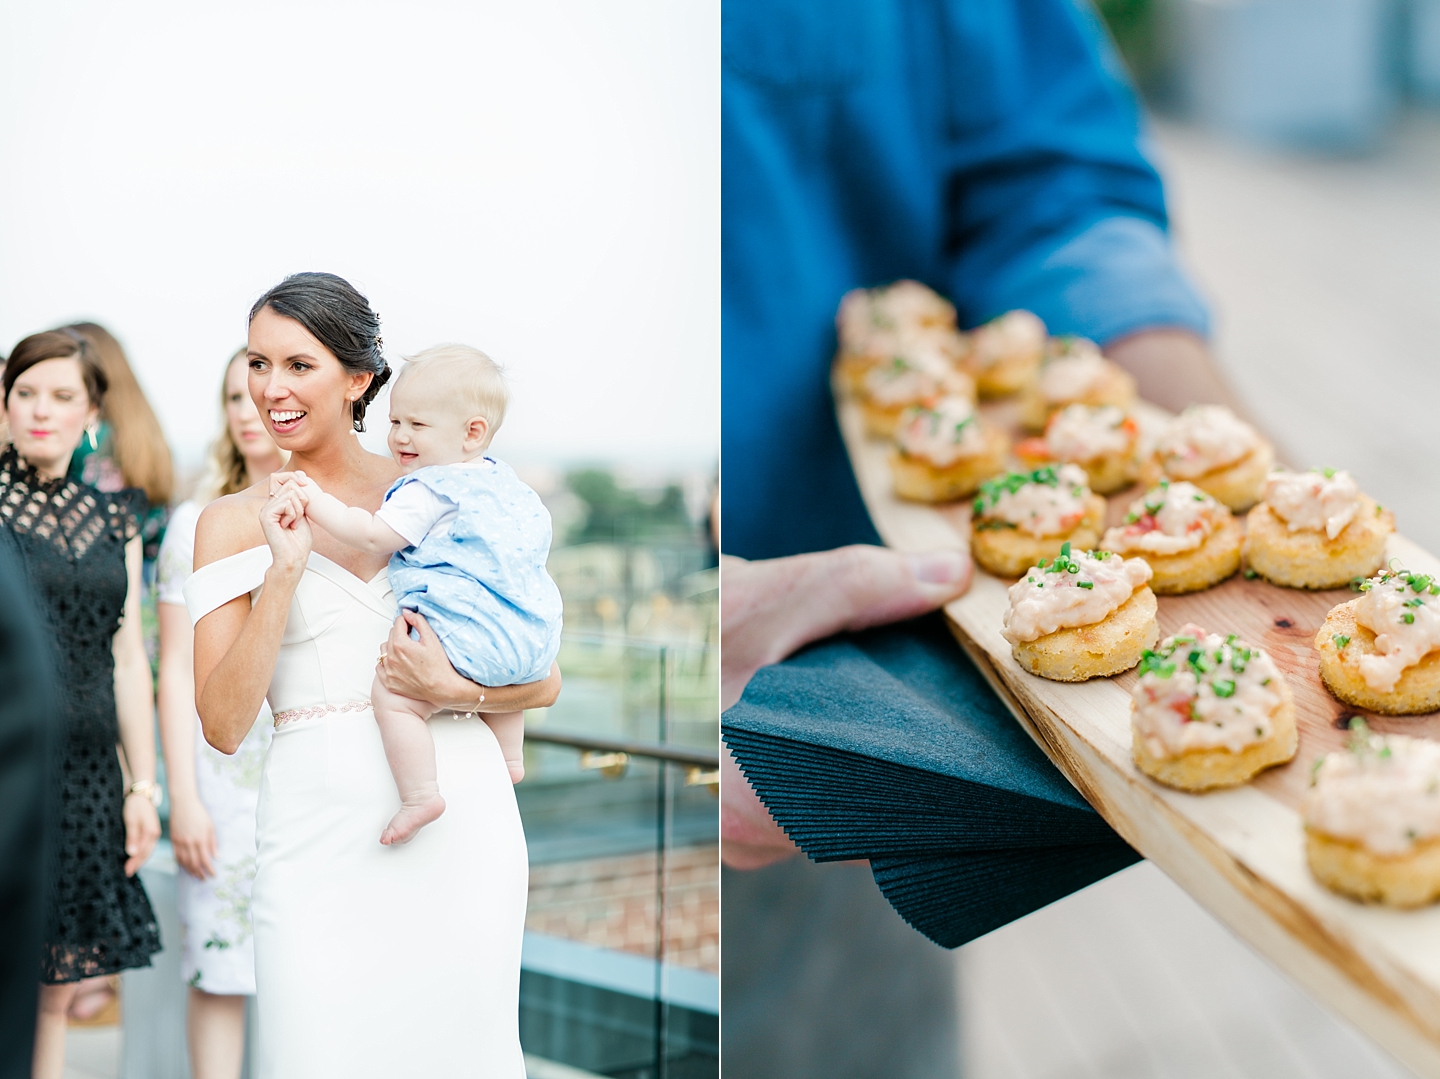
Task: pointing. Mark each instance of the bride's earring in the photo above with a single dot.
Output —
(90, 430)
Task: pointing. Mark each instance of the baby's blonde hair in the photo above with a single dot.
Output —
(476, 382)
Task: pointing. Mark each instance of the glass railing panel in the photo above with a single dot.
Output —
(622, 944)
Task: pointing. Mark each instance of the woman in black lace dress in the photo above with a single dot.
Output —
(81, 549)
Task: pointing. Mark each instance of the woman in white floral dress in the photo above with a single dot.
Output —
(212, 796)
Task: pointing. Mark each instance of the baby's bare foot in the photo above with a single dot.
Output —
(411, 818)
(517, 770)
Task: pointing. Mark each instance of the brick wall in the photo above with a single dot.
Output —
(611, 903)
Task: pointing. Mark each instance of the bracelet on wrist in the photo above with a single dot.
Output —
(147, 787)
(473, 711)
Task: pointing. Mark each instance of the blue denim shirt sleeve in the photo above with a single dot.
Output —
(990, 148)
(1052, 203)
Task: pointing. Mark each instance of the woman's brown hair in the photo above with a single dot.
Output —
(58, 345)
(225, 469)
(141, 452)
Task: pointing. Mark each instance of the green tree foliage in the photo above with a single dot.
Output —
(615, 514)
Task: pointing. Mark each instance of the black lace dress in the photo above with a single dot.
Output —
(72, 539)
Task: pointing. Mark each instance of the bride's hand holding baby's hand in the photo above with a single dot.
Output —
(305, 484)
(286, 528)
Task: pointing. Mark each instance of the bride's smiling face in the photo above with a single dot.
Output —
(303, 392)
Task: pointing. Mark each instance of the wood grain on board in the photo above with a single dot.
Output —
(1239, 852)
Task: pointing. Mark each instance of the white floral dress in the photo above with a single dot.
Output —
(218, 951)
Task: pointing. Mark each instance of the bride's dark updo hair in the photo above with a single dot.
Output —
(338, 317)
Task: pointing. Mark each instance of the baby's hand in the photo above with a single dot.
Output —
(306, 485)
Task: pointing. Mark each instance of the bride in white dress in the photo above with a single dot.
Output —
(370, 960)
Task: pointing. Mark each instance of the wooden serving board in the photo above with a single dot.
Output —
(1239, 852)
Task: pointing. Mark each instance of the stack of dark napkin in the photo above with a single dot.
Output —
(889, 746)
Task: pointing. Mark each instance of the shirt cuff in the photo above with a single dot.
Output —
(1115, 277)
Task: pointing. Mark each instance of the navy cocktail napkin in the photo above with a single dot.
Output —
(887, 745)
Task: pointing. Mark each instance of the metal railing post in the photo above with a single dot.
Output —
(662, 837)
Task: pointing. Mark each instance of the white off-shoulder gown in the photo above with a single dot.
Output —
(376, 961)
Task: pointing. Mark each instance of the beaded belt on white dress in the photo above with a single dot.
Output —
(315, 711)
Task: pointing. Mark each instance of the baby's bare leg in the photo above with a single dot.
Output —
(411, 753)
(509, 728)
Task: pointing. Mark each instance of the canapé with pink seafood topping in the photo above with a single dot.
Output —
(1018, 518)
(1101, 439)
(1381, 652)
(1190, 539)
(943, 450)
(1216, 451)
(1209, 711)
(873, 325)
(1316, 529)
(1081, 615)
(917, 372)
(1074, 372)
(1005, 353)
(1372, 819)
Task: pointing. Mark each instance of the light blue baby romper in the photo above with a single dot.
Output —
(481, 581)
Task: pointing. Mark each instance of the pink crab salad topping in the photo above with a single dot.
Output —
(1321, 500)
(1402, 609)
(1382, 791)
(1048, 501)
(1088, 432)
(1202, 439)
(1072, 590)
(1199, 690)
(878, 320)
(1072, 374)
(916, 371)
(1172, 517)
(941, 431)
(1015, 333)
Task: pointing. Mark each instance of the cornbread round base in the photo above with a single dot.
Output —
(1417, 690)
(1405, 880)
(920, 481)
(1211, 769)
(1007, 376)
(1107, 647)
(1114, 387)
(881, 421)
(1309, 559)
(1215, 560)
(1111, 472)
(848, 374)
(1009, 552)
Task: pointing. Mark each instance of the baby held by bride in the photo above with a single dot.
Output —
(468, 542)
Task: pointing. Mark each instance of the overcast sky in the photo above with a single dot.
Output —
(537, 178)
